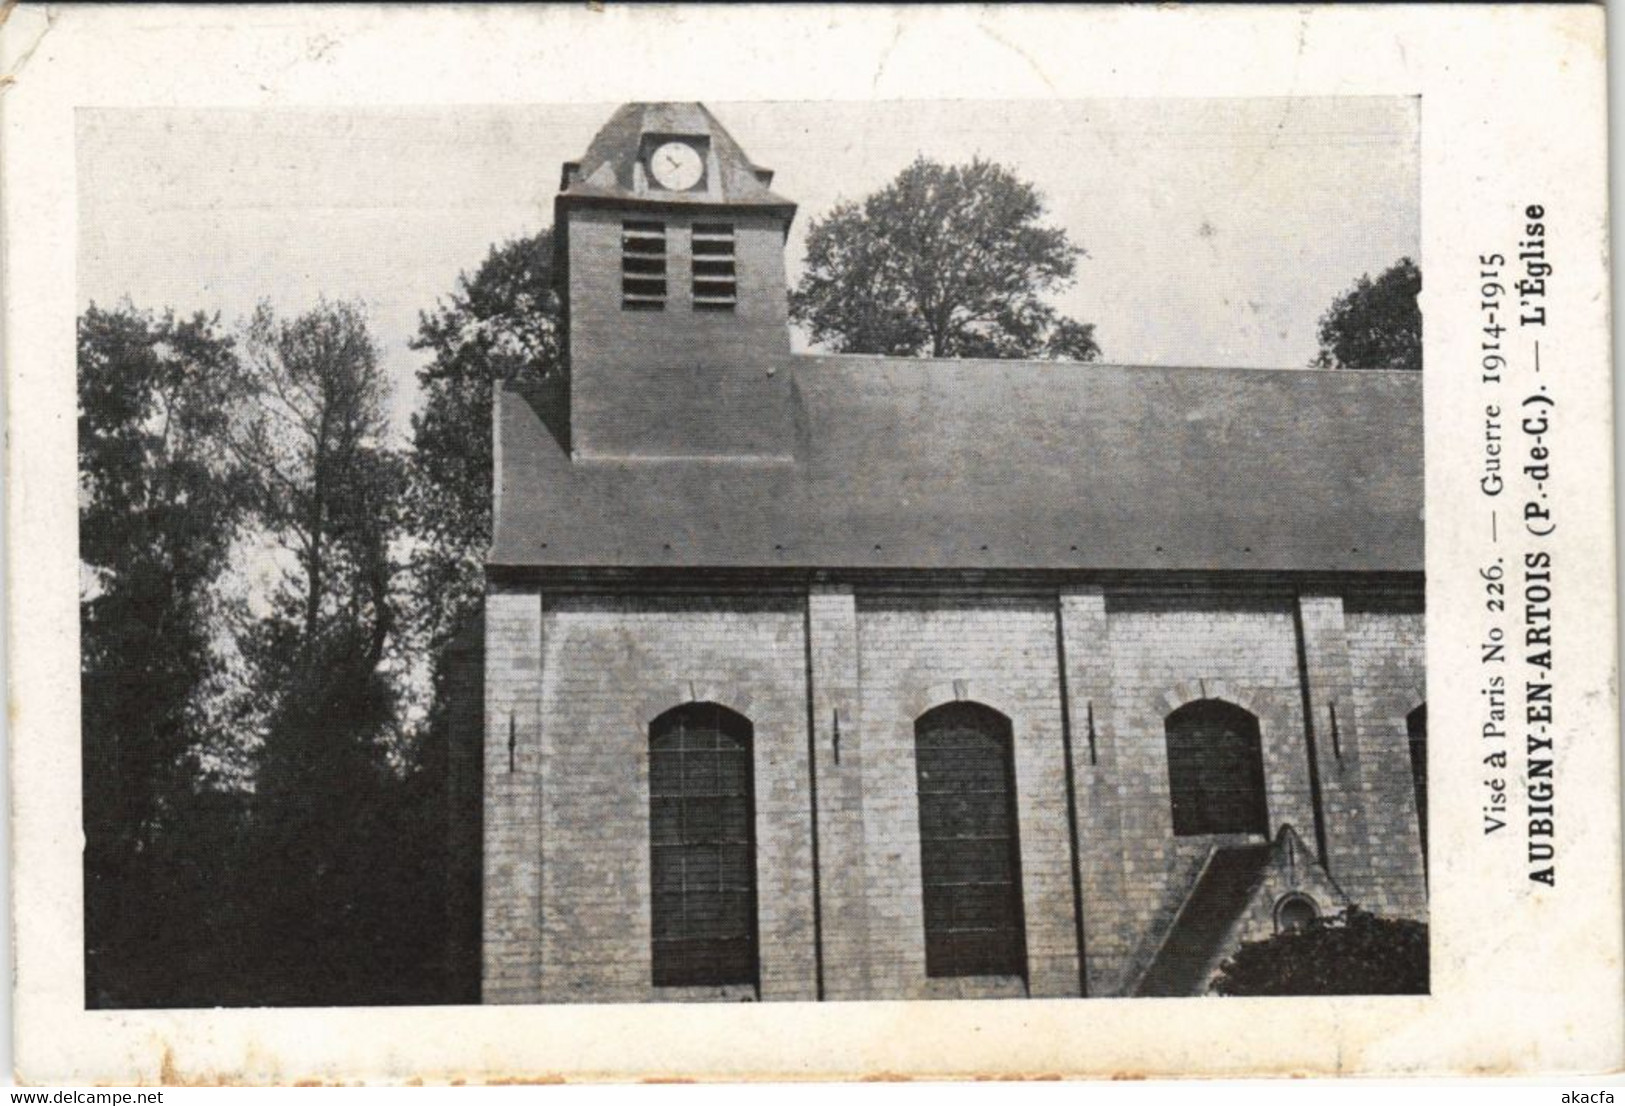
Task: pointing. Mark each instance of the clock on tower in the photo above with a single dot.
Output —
(671, 271)
(677, 165)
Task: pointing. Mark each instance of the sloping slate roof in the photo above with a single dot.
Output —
(606, 170)
(1210, 910)
(997, 464)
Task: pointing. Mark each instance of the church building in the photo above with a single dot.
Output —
(813, 677)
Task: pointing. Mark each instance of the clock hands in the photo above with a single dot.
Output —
(676, 165)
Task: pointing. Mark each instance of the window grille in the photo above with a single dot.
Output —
(1215, 770)
(702, 847)
(643, 265)
(970, 853)
(716, 283)
(1416, 726)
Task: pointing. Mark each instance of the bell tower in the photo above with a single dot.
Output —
(671, 269)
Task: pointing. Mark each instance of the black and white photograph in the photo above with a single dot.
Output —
(754, 552)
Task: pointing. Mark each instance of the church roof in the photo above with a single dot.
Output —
(610, 170)
(909, 463)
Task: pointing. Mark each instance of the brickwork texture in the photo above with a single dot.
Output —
(833, 678)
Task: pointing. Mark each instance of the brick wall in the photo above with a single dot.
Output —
(920, 652)
(839, 752)
(512, 840)
(1110, 939)
(678, 382)
(1388, 657)
(1337, 747)
(1169, 649)
(613, 665)
(833, 680)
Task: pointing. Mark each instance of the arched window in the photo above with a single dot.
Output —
(1416, 725)
(1215, 770)
(702, 847)
(970, 854)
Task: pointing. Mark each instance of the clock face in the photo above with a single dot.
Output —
(676, 166)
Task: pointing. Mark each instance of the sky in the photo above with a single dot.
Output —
(1217, 231)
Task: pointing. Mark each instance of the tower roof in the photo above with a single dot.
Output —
(612, 168)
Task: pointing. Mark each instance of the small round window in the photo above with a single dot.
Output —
(1295, 912)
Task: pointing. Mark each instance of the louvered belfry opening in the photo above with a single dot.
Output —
(716, 283)
(702, 847)
(970, 851)
(643, 265)
(1416, 727)
(1216, 770)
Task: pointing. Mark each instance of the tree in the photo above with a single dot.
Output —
(329, 799)
(326, 493)
(1376, 324)
(946, 261)
(1351, 953)
(502, 324)
(312, 443)
(317, 875)
(160, 501)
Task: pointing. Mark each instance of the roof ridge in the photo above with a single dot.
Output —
(1036, 362)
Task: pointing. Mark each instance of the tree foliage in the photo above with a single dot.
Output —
(1351, 953)
(259, 465)
(160, 501)
(326, 493)
(332, 826)
(501, 324)
(946, 261)
(1376, 324)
